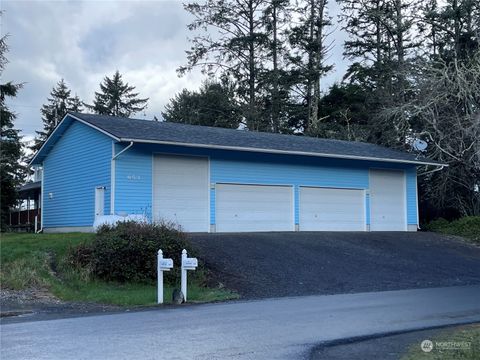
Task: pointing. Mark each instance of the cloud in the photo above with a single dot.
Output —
(83, 41)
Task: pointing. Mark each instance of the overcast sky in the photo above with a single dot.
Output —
(82, 41)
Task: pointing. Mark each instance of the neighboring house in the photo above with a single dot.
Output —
(222, 180)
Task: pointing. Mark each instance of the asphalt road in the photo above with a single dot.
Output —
(285, 328)
(263, 265)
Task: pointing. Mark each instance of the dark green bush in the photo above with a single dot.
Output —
(128, 251)
(468, 227)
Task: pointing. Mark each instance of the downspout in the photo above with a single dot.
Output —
(113, 172)
(121, 152)
(42, 194)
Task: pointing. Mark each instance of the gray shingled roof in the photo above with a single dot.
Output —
(125, 129)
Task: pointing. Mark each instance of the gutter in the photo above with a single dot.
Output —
(121, 152)
(113, 173)
(284, 152)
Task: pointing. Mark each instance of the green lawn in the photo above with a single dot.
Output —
(37, 260)
(466, 339)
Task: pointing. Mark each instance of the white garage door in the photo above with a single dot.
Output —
(253, 208)
(180, 191)
(387, 200)
(325, 209)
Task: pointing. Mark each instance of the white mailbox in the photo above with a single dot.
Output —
(163, 264)
(190, 263)
(187, 264)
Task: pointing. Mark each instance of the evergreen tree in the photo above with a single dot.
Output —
(117, 98)
(382, 45)
(452, 28)
(236, 50)
(58, 104)
(275, 78)
(344, 113)
(12, 172)
(213, 105)
(309, 50)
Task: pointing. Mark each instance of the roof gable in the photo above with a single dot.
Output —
(56, 135)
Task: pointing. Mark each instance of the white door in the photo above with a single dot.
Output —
(180, 191)
(326, 209)
(387, 200)
(253, 208)
(99, 201)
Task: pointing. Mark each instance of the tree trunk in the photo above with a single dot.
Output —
(310, 70)
(275, 97)
(251, 121)
(318, 61)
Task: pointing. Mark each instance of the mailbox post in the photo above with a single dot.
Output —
(162, 265)
(187, 264)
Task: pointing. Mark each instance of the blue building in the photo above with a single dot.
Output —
(221, 180)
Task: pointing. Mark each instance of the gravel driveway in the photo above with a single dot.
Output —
(260, 265)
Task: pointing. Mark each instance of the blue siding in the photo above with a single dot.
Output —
(367, 208)
(79, 162)
(134, 174)
(133, 180)
(311, 172)
(411, 175)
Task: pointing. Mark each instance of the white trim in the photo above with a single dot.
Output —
(416, 199)
(285, 152)
(251, 183)
(58, 127)
(153, 186)
(293, 204)
(122, 151)
(333, 187)
(112, 180)
(209, 209)
(236, 148)
(365, 207)
(42, 211)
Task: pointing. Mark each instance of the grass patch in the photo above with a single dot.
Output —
(467, 337)
(467, 227)
(38, 260)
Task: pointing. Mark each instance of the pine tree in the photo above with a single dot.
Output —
(308, 40)
(213, 105)
(235, 50)
(58, 104)
(12, 172)
(274, 77)
(382, 44)
(117, 98)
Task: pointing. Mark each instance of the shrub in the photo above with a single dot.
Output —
(468, 227)
(128, 251)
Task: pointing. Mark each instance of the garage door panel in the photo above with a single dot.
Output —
(326, 209)
(387, 200)
(253, 208)
(180, 191)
